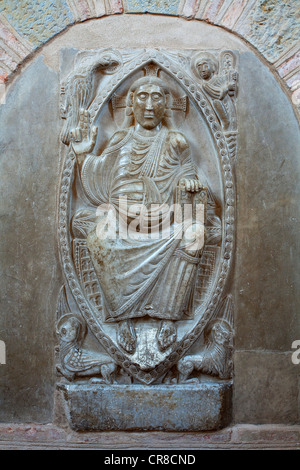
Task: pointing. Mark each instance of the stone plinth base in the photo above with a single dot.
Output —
(192, 407)
(33, 436)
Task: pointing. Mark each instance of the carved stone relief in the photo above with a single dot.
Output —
(146, 217)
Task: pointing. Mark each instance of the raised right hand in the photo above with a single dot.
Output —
(83, 137)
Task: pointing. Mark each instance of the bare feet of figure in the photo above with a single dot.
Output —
(166, 335)
(126, 336)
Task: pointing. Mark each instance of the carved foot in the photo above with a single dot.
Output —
(126, 336)
(166, 335)
(68, 375)
(185, 367)
(108, 372)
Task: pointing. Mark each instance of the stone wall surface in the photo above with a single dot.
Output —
(28, 246)
(266, 383)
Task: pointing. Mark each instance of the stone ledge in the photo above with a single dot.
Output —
(192, 407)
(35, 436)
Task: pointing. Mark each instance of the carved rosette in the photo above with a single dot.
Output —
(180, 70)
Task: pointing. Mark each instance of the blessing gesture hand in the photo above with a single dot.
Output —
(84, 137)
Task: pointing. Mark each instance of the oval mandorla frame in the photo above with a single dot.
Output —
(123, 68)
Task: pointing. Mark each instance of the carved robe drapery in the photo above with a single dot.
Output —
(141, 276)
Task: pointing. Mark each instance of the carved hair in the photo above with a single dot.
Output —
(148, 80)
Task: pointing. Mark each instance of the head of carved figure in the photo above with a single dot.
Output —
(221, 332)
(70, 329)
(148, 97)
(206, 66)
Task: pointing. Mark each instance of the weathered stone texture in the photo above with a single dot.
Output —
(8, 61)
(188, 8)
(86, 9)
(29, 275)
(210, 10)
(266, 384)
(37, 20)
(268, 247)
(107, 7)
(289, 65)
(198, 407)
(272, 27)
(81, 9)
(277, 437)
(13, 43)
(233, 13)
(149, 6)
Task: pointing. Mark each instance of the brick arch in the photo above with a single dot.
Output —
(270, 26)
